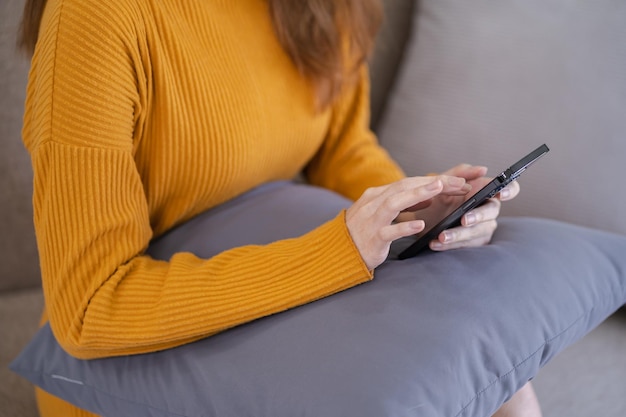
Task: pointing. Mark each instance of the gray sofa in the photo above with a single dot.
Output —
(452, 81)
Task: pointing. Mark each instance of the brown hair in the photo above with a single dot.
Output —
(326, 39)
(29, 28)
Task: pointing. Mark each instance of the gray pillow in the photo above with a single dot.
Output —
(484, 81)
(443, 334)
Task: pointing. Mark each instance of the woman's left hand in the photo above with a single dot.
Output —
(477, 226)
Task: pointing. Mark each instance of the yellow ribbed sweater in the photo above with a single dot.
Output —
(143, 113)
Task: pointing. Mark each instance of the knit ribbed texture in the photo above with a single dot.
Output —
(143, 114)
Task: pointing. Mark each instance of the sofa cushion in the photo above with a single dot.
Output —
(441, 334)
(19, 267)
(483, 81)
(20, 312)
(390, 45)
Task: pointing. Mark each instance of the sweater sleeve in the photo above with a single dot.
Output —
(104, 296)
(350, 159)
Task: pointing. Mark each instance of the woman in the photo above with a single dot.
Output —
(141, 114)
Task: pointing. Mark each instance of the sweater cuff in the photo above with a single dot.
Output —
(341, 254)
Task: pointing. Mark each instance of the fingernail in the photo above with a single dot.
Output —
(418, 225)
(436, 245)
(466, 187)
(505, 193)
(470, 218)
(448, 236)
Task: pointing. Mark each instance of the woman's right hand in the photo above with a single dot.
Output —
(370, 220)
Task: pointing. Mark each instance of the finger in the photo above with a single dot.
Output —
(397, 199)
(387, 202)
(450, 183)
(407, 199)
(399, 230)
(509, 192)
(419, 206)
(458, 193)
(437, 246)
(467, 171)
(372, 193)
(490, 210)
(454, 185)
(460, 237)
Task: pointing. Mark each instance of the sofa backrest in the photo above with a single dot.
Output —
(485, 82)
(19, 266)
(389, 52)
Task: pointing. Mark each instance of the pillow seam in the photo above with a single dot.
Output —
(519, 364)
(101, 391)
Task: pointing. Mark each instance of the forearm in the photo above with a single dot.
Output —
(148, 305)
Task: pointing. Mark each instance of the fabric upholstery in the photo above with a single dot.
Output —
(484, 82)
(20, 312)
(18, 250)
(389, 51)
(442, 334)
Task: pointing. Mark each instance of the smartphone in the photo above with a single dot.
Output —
(488, 191)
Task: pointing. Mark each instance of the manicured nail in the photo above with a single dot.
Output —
(418, 225)
(470, 218)
(436, 245)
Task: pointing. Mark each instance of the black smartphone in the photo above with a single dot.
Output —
(488, 191)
